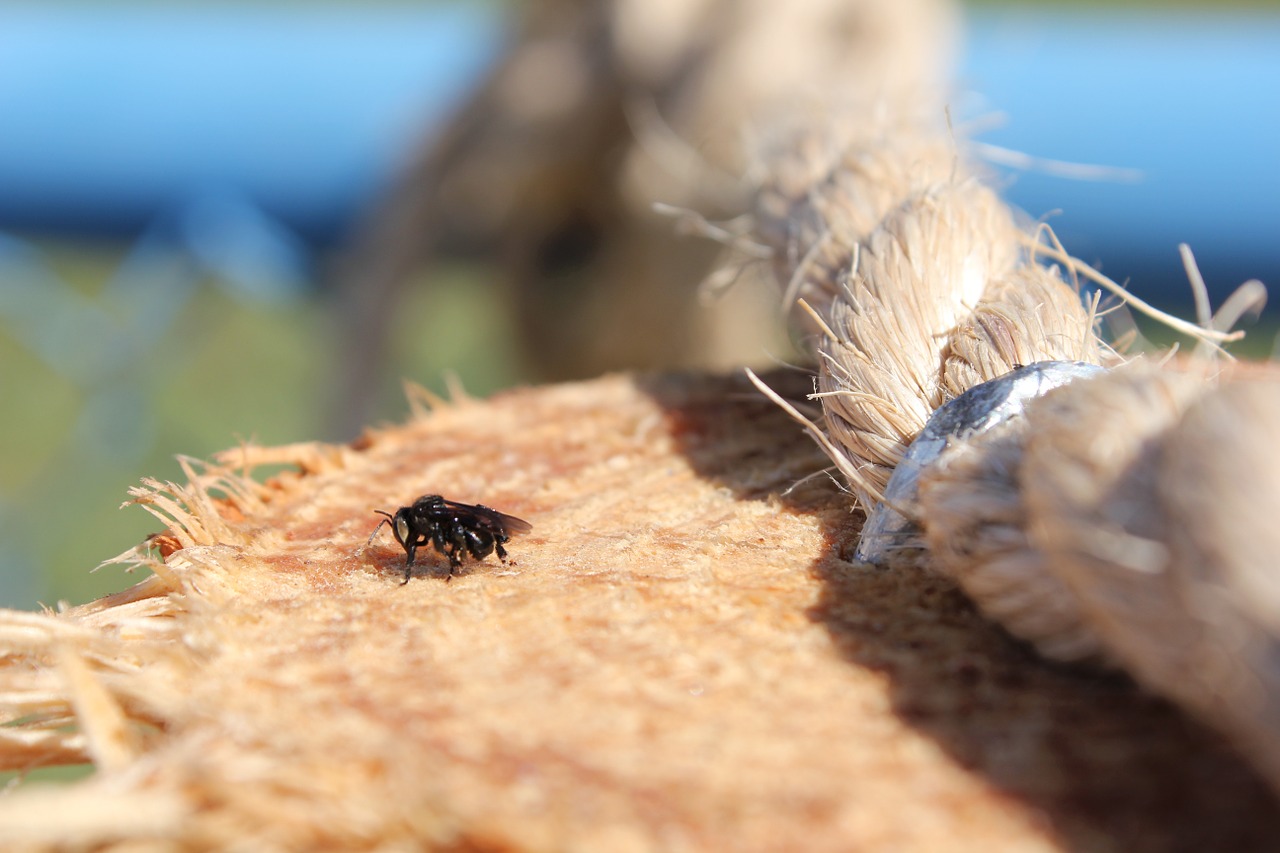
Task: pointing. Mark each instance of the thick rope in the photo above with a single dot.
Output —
(1127, 520)
(915, 281)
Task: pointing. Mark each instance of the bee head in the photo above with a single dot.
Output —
(399, 524)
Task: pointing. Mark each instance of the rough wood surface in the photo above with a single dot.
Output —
(677, 658)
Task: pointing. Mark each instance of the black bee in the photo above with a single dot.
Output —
(455, 529)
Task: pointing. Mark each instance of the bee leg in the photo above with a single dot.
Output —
(462, 537)
(454, 563)
(408, 564)
(502, 552)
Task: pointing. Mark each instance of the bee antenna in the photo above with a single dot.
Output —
(389, 518)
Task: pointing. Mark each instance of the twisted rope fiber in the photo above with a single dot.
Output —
(917, 286)
(1123, 520)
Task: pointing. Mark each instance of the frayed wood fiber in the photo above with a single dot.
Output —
(676, 659)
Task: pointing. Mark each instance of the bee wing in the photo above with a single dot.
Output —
(514, 525)
(509, 524)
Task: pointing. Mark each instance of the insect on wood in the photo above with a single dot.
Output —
(454, 529)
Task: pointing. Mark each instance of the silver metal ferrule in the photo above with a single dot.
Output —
(890, 526)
